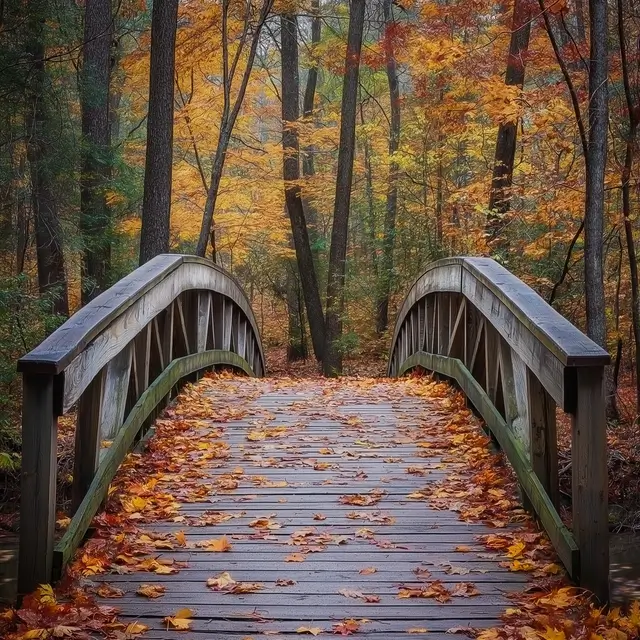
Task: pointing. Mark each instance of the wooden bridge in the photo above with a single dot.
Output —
(119, 361)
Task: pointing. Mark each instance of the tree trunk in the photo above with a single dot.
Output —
(229, 114)
(156, 202)
(95, 222)
(337, 256)
(632, 114)
(595, 195)
(308, 164)
(52, 279)
(291, 175)
(389, 232)
(296, 346)
(500, 196)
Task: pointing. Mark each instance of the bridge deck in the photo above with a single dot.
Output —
(303, 454)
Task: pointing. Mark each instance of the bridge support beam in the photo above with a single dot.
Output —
(38, 482)
(589, 482)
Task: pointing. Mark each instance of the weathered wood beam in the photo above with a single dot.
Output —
(38, 482)
(87, 438)
(589, 482)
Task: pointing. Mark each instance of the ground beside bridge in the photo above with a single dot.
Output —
(316, 507)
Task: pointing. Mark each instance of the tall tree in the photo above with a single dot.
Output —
(52, 279)
(308, 106)
(156, 202)
(291, 175)
(501, 180)
(596, 165)
(633, 115)
(95, 152)
(250, 36)
(332, 362)
(389, 232)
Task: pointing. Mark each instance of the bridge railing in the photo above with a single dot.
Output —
(516, 359)
(117, 362)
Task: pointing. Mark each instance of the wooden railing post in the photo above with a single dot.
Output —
(589, 481)
(87, 443)
(543, 440)
(38, 481)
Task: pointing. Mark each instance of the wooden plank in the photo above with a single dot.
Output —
(38, 482)
(202, 319)
(114, 456)
(455, 348)
(443, 331)
(227, 326)
(87, 440)
(558, 533)
(124, 309)
(589, 482)
(543, 437)
(114, 399)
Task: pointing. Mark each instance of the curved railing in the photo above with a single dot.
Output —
(516, 358)
(118, 360)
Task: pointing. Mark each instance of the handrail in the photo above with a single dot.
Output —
(118, 359)
(516, 358)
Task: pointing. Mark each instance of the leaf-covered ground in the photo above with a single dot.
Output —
(259, 499)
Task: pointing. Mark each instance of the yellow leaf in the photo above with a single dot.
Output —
(314, 631)
(220, 544)
(552, 634)
(418, 630)
(180, 621)
(45, 594)
(135, 628)
(181, 538)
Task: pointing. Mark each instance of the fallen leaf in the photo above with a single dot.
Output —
(151, 590)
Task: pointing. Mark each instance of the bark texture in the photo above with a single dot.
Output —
(389, 231)
(291, 175)
(156, 203)
(332, 363)
(502, 178)
(595, 197)
(250, 35)
(632, 114)
(52, 279)
(95, 151)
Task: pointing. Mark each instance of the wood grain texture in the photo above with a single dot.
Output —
(561, 538)
(148, 401)
(418, 535)
(169, 273)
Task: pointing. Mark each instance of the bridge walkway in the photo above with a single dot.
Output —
(319, 491)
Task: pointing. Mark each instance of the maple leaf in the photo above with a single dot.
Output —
(45, 594)
(314, 631)
(319, 516)
(463, 548)
(295, 557)
(135, 629)
(217, 544)
(151, 590)
(465, 589)
(285, 582)
(559, 598)
(346, 627)
(109, 591)
(552, 634)
(181, 538)
(181, 620)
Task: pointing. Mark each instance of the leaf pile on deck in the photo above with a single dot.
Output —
(152, 489)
